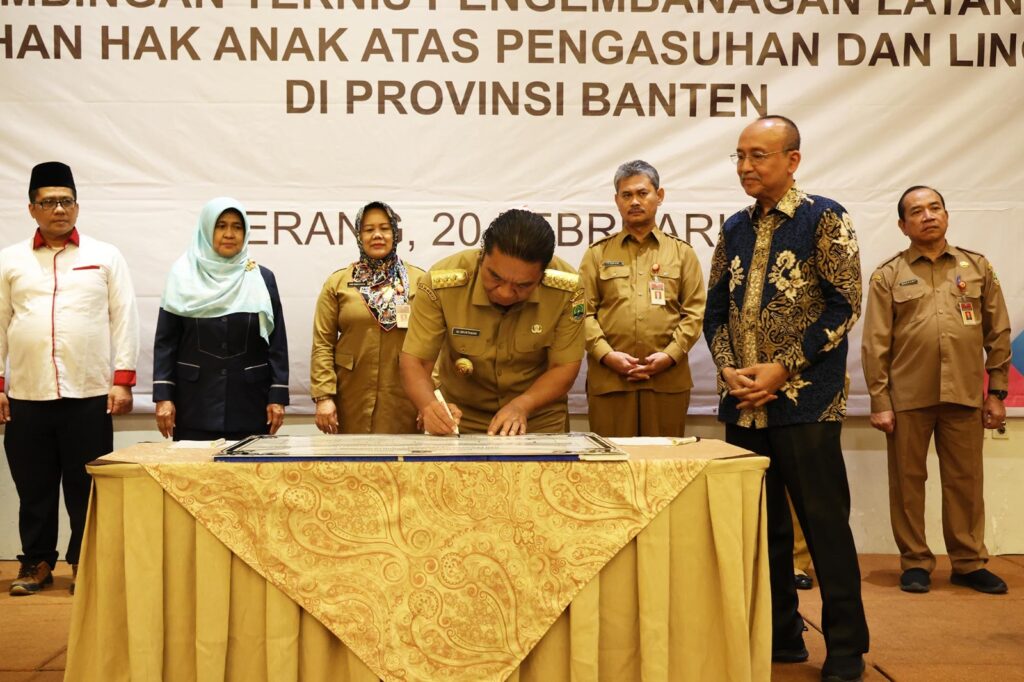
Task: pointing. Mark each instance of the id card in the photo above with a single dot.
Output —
(657, 290)
(402, 312)
(968, 314)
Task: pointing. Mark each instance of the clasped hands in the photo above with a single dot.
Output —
(756, 385)
(633, 368)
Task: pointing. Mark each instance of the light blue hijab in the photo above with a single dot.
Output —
(203, 283)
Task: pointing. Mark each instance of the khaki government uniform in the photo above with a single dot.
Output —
(356, 361)
(922, 362)
(452, 318)
(616, 273)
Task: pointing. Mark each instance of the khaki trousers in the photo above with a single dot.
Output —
(638, 413)
(958, 439)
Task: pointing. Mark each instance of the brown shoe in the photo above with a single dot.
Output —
(31, 578)
(74, 577)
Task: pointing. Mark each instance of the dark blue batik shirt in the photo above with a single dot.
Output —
(785, 287)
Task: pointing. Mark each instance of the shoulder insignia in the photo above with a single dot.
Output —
(677, 238)
(600, 241)
(556, 279)
(250, 265)
(973, 253)
(888, 260)
(876, 277)
(446, 279)
(427, 290)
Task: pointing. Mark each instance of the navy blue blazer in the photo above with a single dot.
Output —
(218, 371)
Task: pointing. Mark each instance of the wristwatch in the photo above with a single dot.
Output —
(999, 394)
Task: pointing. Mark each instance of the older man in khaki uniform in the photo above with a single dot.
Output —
(931, 310)
(506, 324)
(645, 305)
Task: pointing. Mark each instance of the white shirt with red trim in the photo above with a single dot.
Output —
(67, 318)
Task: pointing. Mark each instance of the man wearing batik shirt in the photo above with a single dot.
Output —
(783, 293)
(66, 308)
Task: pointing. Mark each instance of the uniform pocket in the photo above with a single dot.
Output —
(909, 303)
(527, 340)
(972, 291)
(187, 371)
(906, 294)
(669, 274)
(344, 361)
(472, 346)
(614, 272)
(257, 373)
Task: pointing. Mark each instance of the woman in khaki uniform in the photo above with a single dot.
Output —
(358, 328)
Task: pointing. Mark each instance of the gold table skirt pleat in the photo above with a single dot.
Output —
(159, 597)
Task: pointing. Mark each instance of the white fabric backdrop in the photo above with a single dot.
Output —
(152, 137)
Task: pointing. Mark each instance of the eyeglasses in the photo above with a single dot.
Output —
(50, 204)
(754, 157)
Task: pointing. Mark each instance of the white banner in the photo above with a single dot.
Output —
(452, 110)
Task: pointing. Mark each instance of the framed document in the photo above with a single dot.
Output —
(546, 447)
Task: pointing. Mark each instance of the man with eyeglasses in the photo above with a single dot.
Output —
(67, 307)
(783, 293)
(935, 325)
(645, 303)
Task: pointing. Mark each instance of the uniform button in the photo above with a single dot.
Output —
(224, 346)
(499, 372)
(223, 372)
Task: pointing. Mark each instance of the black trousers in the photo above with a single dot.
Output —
(49, 442)
(807, 460)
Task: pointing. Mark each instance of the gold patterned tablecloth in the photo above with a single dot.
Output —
(423, 571)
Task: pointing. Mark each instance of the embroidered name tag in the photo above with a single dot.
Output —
(908, 281)
(462, 331)
(354, 284)
(611, 263)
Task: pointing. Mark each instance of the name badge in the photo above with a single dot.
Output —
(611, 263)
(968, 314)
(355, 284)
(462, 331)
(657, 290)
(908, 282)
(402, 313)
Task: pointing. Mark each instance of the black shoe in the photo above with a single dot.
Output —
(74, 578)
(915, 580)
(981, 580)
(803, 581)
(843, 669)
(797, 655)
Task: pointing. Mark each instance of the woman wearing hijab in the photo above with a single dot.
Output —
(220, 359)
(358, 328)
